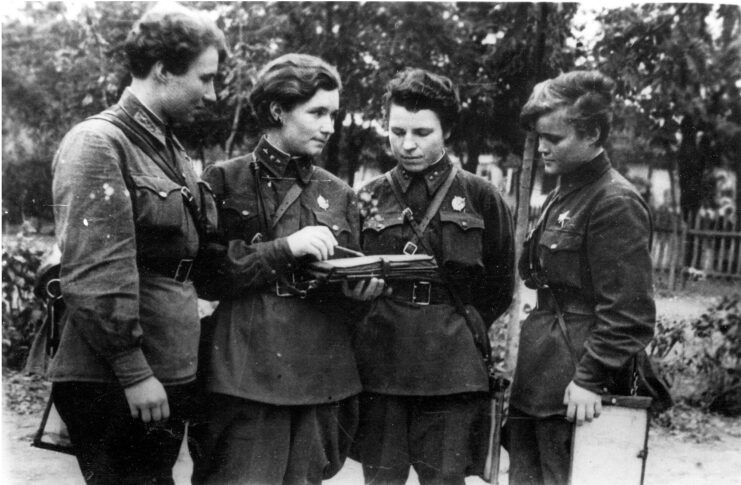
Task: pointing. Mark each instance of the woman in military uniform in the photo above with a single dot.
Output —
(280, 374)
(588, 257)
(424, 377)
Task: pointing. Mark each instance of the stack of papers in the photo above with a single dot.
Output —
(387, 266)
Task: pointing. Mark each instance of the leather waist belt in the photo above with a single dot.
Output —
(421, 292)
(177, 269)
(568, 302)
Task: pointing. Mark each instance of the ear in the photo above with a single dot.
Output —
(446, 134)
(276, 110)
(592, 136)
(159, 73)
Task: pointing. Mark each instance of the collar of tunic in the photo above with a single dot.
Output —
(148, 120)
(277, 162)
(433, 176)
(584, 175)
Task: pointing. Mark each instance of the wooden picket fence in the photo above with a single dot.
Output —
(700, 247)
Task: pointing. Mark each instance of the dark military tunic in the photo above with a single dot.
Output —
(407, 348)
(283, 350)
(124, 228)
(591, 247)
(425, 403)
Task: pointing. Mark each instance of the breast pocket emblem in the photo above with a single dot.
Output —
(563, 219)
(322, 202)
(458, 203)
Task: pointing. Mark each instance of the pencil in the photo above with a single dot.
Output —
(349, 251)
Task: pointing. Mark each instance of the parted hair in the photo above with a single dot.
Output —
(586, 95)
(417, 89)
(289, 80)
(173, 34)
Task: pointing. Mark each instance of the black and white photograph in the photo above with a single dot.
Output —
(380, 243)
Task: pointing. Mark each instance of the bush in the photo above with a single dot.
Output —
(702, 358)
(23, 312)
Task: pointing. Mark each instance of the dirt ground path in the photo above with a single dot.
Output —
(672, 460)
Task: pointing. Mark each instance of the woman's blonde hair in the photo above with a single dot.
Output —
(586, 95)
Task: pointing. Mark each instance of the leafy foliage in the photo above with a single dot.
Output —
(25, 394)
(679, 78)
(23, 312)
(702, 358)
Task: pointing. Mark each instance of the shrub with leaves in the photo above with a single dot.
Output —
(702, 358)
(23, 312)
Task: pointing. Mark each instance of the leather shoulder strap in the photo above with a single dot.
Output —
(421, 227)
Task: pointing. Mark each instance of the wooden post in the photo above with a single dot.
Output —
(676, 213)
(522, 216)
(521, 229)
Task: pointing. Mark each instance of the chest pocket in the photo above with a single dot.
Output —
(159, 205)
(239, 219)
(560, 257)
(382, 234)
(462, 239)
(338, 224)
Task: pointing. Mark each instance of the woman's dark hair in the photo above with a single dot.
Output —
(418, 89)
(174, 35)
(289, 80)
(586, 95)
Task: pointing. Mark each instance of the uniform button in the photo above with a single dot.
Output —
(163, 193)
(554, 246)
(272, 271)
(335, 227)
(432, 177)
(464, 223)
(244, 213)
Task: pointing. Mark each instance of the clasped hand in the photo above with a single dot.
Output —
(148, 400)
(581, 404)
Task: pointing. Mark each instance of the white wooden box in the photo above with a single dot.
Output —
(612, 449)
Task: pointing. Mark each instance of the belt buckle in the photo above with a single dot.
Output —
(410, 248)
(182, 272)
(425, 295)
(280, 290)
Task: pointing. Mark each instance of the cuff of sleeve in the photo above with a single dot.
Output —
(277, 255)
(131, 367)
(591, 374)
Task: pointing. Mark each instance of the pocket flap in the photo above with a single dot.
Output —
(163, 187)
(463, 220)
(556, 240)
(238, 207)
(336, 222)
(379, 222)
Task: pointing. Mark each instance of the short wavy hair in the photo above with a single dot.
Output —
(586, 95)
(173, 34)
(418, 89)
(289, 80)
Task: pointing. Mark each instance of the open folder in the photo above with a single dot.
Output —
(386, 266)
